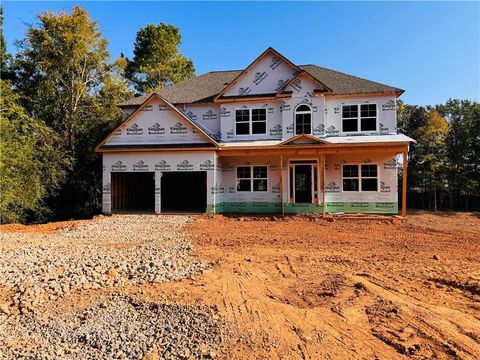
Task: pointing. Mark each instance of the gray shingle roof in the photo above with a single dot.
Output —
(204, 88)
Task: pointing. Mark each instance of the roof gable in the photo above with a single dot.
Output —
(159, 122)
(303, 139)
(267, 74)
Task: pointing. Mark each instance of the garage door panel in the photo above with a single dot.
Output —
(133, 191)
(184, 191)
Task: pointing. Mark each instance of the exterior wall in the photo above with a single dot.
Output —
(157, 124)
(207, 115)
(386, 114)
(288, 115)
(268, 75)
(231, 201)
(227, 121)
(222, 196)
(159, 162)
(385, 200)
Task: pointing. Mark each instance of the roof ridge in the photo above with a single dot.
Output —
(344, 73)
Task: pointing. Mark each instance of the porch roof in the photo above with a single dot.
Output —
(334, 140)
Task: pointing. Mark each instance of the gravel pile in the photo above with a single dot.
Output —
(121, 328)
(110, 251)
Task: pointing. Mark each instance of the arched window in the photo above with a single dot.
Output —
(303, 120)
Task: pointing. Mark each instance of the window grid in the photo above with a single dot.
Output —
(252, 178)
(251, 122)
(359, 177)
(359, 117)
(303, 120)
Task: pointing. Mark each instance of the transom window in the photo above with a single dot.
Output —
(361, 117)
(303, 120)
(358, 177)
(252, 178)
(250, 121)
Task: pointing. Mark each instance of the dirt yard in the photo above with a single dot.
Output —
(250, 288)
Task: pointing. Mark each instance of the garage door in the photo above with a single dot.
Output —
(133, 191)
(184, 191)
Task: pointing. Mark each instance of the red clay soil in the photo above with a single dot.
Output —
(306, 288)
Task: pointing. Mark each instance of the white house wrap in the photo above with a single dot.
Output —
(274, 138)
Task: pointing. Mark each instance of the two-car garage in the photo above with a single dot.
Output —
(180, 191)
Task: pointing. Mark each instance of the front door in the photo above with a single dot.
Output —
(303, 183)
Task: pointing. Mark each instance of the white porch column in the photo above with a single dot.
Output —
(158, 192)
(107, 192)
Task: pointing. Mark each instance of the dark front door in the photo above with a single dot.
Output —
(303, 184)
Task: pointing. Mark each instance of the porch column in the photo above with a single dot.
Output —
(158, 192)
(404, 183)
(324, 206)
(319, 186)
(281, 186)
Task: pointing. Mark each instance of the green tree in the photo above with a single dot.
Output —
(157, 61)
(65, 78)
(30, 166)
(5, 58)
(462, 149)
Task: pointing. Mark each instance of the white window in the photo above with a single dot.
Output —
(303, 120)
(356, 177)
(252, 178)
(361, 117)
(250, 121)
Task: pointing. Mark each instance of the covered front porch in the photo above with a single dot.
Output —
(311, 178)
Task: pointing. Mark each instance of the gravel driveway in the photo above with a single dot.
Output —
(112, 253)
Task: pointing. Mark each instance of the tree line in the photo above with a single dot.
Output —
(58, 100)
(444, 165)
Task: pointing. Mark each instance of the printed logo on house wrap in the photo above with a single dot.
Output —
(178, 128)
(244, 90)
(147, 108)
(383, 129)
(107, 188)
(185, 165)
(231, 189)
(276, 61)
(134, 129)
(319, 130)
(281, 84)
(289, 129)
(163, 108)
(119, 166)
(296, 85)
(332, 187)
(207, 165)
(332, 130)
(276, 130)
(390, 105)
(162, 165)
(390, 164)
(285, 107)
(191, 115)
(384, 187)
(259, 77)
(224, 112)
(156, 129)
(276, 188)
(140, 166)
(230, 134)
(217, 189)
(336, 110)
(210, 115)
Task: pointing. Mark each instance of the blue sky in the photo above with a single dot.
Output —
(430, 49)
